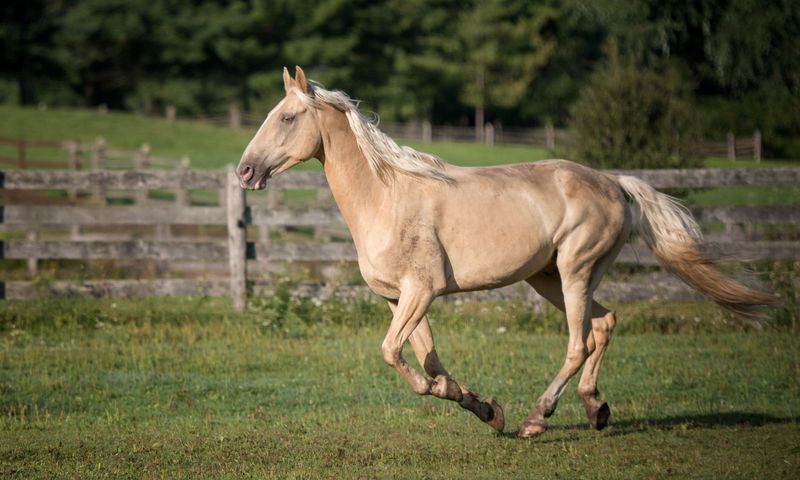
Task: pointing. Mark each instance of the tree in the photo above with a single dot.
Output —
(27, 28)
(503, 49)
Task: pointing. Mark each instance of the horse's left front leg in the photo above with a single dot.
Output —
(444, 386)
(407, 313)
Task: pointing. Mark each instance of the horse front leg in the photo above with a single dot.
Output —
(444, 386)
(408, 311)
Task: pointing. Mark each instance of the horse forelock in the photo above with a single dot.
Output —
(384, 156)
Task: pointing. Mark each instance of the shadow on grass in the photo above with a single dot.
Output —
(682, 422)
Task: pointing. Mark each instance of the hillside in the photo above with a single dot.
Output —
(207, 145)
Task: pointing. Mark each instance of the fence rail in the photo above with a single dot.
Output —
(232, 216)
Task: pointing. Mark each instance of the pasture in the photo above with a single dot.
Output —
(189, 389)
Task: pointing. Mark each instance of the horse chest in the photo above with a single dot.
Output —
(389, 266)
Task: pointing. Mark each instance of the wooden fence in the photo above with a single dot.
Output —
(732, 147)
(28, 238)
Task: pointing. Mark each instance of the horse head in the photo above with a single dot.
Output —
(289, 135)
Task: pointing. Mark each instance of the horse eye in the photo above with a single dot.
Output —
(287, 117)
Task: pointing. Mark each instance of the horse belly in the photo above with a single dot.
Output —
(499, 258)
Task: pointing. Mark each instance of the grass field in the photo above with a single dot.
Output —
(188, 389)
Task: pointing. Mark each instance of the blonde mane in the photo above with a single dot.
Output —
(384, 155)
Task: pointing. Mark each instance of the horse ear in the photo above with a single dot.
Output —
(300, 79)
(288, 83)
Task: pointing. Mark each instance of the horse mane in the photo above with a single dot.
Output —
(384, 156)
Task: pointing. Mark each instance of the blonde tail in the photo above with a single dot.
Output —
(672, 234)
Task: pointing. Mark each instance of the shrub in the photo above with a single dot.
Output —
(629, 117)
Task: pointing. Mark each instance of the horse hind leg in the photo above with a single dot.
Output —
(574, 297)
(603, 322)
(445, 387)
(596, 341)
(597, 410)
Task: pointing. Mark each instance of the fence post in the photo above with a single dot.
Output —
(33, 263)
(141, 160)
(73, 163)
(488, 133)
(99, 163)
(427, 131)
(731, 141)
(550, 136)
(757, 145)
(237, 240)
(182, 194)
(234, 116)
(170, 113)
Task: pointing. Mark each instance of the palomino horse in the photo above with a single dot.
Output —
(423, 228)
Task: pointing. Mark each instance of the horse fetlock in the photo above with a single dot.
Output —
(587, 392)
(447, 388)
(545, 407)
(421, 386)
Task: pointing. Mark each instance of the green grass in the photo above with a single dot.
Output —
(188, 389)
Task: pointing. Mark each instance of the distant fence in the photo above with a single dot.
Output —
(732, 147)
(27, 236)
(73, 155)
(749, 146)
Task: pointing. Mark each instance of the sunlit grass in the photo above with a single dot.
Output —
(186, 388)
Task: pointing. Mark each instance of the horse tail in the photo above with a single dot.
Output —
(673, 235)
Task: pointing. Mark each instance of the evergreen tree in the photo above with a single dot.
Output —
(503, 48)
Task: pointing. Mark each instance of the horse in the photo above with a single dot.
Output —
(423, 228)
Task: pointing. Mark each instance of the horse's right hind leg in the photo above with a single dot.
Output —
(603, 322)
(602, 325)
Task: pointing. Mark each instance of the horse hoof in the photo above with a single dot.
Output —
(600, 418)
(498, 420)
(532, 428)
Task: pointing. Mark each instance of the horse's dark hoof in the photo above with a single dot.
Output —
(598, 413)
(498, 420)
(532, 428)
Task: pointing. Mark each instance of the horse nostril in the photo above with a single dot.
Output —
(246, 172)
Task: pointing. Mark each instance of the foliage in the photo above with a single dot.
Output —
(504, 49)
(447, 61)
(629, 117)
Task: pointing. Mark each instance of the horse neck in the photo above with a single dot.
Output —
(357, 191)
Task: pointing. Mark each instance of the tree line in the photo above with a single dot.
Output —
(735, 64)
